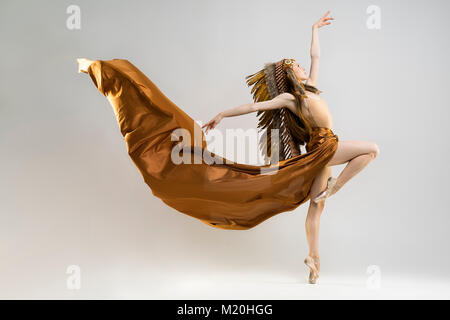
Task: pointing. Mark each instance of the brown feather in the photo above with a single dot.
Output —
(293, 129)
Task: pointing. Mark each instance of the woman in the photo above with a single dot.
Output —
(215, 190)
(312, 111)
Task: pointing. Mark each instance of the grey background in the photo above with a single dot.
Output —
(70, 195)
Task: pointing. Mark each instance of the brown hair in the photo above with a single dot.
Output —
(302, 130)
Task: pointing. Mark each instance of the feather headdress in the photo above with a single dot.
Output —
(274, 79)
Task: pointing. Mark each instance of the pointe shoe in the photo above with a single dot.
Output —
(313, 272)
(327, 192)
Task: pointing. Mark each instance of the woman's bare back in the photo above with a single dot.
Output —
(316, 110)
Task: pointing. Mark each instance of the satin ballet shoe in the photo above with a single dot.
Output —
(327, 192)
(313, 272)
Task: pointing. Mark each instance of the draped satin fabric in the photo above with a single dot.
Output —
(220, 193)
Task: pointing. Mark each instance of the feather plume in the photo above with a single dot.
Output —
(267, 84)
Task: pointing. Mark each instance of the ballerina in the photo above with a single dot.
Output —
(230, 195)
(313, 110)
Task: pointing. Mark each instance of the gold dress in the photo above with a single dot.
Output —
(221, 194)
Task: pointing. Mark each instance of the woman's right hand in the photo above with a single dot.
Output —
(213, 122)
(323, 21)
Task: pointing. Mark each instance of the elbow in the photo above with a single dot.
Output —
(315, 56)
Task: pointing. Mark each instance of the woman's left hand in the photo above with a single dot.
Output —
(323, 21)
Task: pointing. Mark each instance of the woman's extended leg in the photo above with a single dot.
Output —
(358, 154)
(312, 223)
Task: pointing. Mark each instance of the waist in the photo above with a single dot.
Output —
(318, 136)
(321, 131)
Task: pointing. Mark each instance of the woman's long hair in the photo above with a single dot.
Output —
(299, 125)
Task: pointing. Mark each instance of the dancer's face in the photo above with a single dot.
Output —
(299, 71)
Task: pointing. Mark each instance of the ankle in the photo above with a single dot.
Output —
(314, 257)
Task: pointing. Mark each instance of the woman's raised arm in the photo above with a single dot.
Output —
(315, 49)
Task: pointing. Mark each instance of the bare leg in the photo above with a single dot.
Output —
(358, 154)
(312, 224)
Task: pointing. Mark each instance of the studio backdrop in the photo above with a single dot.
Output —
(73, 203)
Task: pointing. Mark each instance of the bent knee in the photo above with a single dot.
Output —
(374, 150)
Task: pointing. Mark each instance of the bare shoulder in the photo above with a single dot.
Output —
(289, 101)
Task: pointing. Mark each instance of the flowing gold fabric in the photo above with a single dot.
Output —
(221, 194)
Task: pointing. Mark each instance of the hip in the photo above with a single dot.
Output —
(320, 135)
